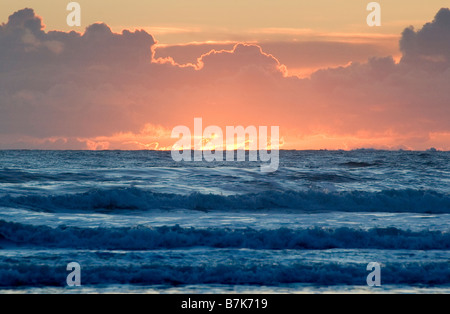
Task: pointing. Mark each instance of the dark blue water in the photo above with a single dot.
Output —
(138, 221)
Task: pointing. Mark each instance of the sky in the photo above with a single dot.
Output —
(136, 69)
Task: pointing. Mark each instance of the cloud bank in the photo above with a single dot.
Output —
(103, 90)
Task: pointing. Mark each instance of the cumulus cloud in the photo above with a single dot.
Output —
(226, 62)
(432, 42)
(66, 84)
(25, 43)
(102, 90)
(301, 58)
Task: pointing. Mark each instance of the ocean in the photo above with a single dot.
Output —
(138, 222)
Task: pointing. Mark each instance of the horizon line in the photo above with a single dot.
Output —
(432, 149)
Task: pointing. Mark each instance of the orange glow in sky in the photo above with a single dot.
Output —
(134, 70)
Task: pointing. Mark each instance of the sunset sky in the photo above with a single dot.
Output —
(314, 68)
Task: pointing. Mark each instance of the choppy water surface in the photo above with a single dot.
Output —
(139, 222)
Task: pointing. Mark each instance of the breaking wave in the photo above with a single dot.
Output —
(397, 201)
(146, 238)
(433, 273)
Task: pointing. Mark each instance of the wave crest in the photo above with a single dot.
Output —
(145, 238)
(398, 201)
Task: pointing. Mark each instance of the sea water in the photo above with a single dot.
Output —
(136, 221)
